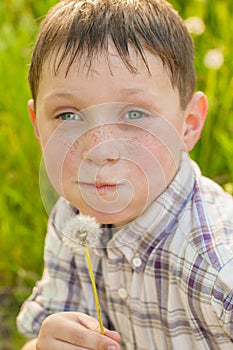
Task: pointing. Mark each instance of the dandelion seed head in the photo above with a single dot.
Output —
(81, 230)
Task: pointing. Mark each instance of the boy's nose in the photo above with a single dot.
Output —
(101, 145)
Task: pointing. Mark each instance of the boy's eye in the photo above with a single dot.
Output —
(69, 116)
(135, 115)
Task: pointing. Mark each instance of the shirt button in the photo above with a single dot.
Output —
(122, 293)
(137, 262)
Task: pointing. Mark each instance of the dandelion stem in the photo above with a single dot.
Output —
(97, 304)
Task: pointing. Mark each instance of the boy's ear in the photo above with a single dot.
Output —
(32, 113)
(195, 115)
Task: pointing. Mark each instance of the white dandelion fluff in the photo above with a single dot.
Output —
(81, 230)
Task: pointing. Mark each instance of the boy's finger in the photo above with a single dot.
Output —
(76, 334)
(113, 335)
(86, 339)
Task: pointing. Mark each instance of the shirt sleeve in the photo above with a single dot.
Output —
(222, 298)
(58, 290)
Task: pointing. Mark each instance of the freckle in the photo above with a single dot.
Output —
(71, 148)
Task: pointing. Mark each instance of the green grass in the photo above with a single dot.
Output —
(22, 216)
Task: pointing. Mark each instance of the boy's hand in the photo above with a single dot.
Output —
(74, 331)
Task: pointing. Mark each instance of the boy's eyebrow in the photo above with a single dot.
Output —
(131, 91)
(54, 95)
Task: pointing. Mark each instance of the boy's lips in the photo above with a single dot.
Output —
(98, 186)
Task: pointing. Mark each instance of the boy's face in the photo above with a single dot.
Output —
(111, 140)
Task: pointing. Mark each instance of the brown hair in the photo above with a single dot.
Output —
(74, 28)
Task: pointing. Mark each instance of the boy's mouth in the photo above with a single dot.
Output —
(98, 187)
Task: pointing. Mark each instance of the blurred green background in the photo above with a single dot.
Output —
(22, 216)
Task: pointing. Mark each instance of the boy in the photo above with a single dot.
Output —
(115, 112)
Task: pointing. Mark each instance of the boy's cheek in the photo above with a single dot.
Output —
(163, 145)
(58, 160)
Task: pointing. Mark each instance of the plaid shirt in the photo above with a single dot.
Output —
(165, 280)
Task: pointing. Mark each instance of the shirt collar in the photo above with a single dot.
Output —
(138, 238)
